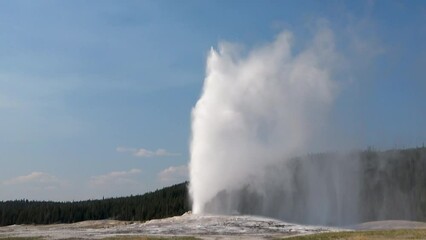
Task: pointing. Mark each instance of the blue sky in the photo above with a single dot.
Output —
(96, 96)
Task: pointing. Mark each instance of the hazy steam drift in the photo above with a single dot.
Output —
(257, 108)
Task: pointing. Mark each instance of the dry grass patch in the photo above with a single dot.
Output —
(401, 234)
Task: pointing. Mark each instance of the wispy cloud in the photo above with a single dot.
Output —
(116, 177)
(34, 177)
(174, 173)
(35, 185)
(142, 152)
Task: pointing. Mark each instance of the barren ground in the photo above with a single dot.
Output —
(204, 227)
(198, 226)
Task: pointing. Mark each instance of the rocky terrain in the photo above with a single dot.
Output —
(202, 226)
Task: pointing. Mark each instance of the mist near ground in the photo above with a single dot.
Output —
(335, 189)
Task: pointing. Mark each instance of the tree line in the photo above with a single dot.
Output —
(391, 185)
(167, 202)
(394, 184)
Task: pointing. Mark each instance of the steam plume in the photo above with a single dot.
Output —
(257, 107)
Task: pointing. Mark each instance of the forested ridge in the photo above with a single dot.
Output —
(167, 202)
(391, 185)
(394, 183)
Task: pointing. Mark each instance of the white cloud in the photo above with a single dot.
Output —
(116, 177)
(35, 185)
(142, 152)
(34, 177)
(178, 173)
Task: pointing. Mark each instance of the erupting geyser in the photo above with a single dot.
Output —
(257, 108)
(260, 113)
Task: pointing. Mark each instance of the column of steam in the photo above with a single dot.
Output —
(256, 108)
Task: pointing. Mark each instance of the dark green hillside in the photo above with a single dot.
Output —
(394, 184)
(169, 201)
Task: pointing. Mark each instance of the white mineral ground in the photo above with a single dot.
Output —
(201, 226)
